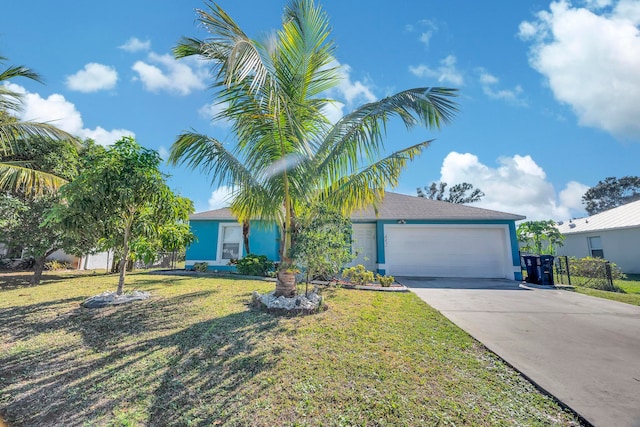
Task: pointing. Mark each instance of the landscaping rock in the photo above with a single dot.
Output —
(111, 298)
(299, 304)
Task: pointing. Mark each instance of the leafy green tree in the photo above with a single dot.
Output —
(175, 238)
(322, 241)
(122, 198)
(26, 225)
(611, 193)
(540, 237)
(286, 152)
(457, 194)
(17, 172)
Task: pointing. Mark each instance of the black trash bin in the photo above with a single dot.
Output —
(546, 270)
(532, 265)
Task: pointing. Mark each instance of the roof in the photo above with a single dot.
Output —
(224, 213)
(396, 206)
(624, 216)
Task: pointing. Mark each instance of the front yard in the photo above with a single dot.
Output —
(196, 354)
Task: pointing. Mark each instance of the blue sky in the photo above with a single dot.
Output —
(549, 91)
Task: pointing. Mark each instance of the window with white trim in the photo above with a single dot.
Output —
(595, 246)
(231, 241)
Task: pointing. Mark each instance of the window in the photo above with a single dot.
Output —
(595, 246)
(231, 241)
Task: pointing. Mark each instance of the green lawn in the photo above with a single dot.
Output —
(630, 286)
(196, 354)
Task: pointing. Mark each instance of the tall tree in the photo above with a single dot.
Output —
(459, 193)
(286, 152)
(15, 138)
(121, 198)
(610, 193)
(28, 227)
(540, 237)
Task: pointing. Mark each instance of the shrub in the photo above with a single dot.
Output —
(385, 281)
(201, 266)
(254, 265)
(358, 275)
(591, 273)
(57, 265)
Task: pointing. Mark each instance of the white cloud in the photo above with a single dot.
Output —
(351, 91)
(517, 185)
(347, 94)
(55, 109)
(571, 196)
(211, 111)
(426, 37)
(446, 72)
(590, 57)
(490, 88)
(220, 198)
(92, 78)
(134, 44)
(163, 152)
(425, 27)
(164, 73)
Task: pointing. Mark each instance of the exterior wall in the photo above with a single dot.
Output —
(621, 247)
(264, 239)
(62, 256)
(515, 270)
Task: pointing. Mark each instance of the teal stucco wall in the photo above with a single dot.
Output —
(264, 239)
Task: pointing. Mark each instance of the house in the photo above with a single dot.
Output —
(613, 234)
(407, 236)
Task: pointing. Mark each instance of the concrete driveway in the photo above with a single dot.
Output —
(583, 350)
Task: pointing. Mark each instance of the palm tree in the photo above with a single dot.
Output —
(15, 136)
(287, 151)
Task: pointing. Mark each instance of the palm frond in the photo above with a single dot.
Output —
(209, 155)
(360, 134)
(11, 100)
(365, 187)
(16, 177)
(13, 133)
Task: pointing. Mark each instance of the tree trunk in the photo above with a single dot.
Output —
(245, 237)
(123, 262)
(285, 284)
(38, 267)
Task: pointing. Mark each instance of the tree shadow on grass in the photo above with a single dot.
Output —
(133, 356)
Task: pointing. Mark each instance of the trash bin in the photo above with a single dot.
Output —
(546, 270)
(532, 265)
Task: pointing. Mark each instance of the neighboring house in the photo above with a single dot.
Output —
(101, 260)
(409, 236)
(613, 235)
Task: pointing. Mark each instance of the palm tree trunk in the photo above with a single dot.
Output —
(245, 236)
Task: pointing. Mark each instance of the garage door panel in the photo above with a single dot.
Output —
(445, 252)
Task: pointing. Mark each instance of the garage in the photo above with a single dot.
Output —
(448, 251)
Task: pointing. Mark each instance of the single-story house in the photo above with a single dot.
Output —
(613, 235)
(408, 236)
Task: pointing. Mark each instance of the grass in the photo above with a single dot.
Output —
(630, 287)
(195, 354)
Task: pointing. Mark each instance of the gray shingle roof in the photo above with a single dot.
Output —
(396, 206)
(224, 213)
(624, 216)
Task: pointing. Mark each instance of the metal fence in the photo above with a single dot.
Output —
(594, 273)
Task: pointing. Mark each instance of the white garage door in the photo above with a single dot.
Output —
(437, 251)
